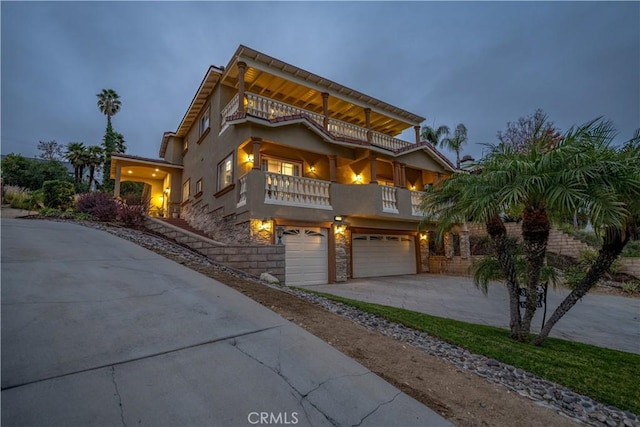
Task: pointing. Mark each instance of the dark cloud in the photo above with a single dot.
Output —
(482, 64)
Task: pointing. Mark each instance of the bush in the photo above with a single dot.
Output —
(58, 194)
(631, 287)
(15, 196)
(632, 249)
(101, 206)
(586, 257)
(132, 215)
(50, 212)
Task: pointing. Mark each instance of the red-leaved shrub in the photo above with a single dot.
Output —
(101, 206)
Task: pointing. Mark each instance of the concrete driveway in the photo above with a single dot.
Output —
(99, 331)
(602, 320)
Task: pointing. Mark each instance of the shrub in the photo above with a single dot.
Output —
(101, 206)
(15, 196)
(58, 194)
(586, 257)
(50, 212)
(632, 249)
(132, 215)
(631, 287)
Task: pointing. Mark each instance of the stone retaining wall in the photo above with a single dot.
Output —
(252, 259)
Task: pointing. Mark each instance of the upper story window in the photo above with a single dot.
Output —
(185, 144)
(198, 187)
(186, 189)
(225, 172)
(282, 167)
(204, 121)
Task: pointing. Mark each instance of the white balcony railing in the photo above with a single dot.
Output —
(296, 191)
(389, 200)
(267, 108)
(242, 198)
(416, 200)
(340, 128)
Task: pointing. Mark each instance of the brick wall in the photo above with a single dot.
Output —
(631, 266)
(253, 259)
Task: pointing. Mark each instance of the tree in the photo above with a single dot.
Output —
(50, 150)
(31, 173)
(435, 136)
(77, 155)
(543, 177)
(95, 157)
(456, 142)
(109, 104)
(527, 130)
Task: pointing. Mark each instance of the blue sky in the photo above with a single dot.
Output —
(482, 64)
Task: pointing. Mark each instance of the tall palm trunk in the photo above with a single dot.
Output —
(498, 233)
(535, 235)
(608, 253)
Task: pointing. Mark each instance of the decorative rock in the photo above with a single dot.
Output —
(269, 278)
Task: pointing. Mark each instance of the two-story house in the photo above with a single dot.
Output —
(269, 153)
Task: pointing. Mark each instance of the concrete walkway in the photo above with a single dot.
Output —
(99, 331)
(602, 320)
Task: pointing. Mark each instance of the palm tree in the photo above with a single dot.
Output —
(456, 142)
(95, 157)
(435, 136)
(109, 104)
(76, 154)
(552, 176)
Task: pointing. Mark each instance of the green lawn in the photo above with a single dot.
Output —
(608, 376)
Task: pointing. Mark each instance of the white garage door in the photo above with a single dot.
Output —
(306, 256)
(383, 255)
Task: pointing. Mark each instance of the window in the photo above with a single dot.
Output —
(186, 188)
(198, 188)
(281, 166)
(204, 121)
(185, 145)
(225, 172)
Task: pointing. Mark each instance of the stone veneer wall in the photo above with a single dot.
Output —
(253, 259)
(343, 259)
(223, 228)
(631, 266)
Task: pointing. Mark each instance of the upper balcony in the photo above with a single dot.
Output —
(273, 110)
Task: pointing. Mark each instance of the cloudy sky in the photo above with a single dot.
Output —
(481, 64)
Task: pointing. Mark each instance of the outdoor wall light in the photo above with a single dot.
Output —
(358, 178)
(340, 229)
(337, 218)
(129, 171)
(167, 190)
(250, 158)
(312, 169)
(423, 236)
(264, 225)
(279, 234)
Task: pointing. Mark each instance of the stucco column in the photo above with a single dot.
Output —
(257, 164)
(333, 166)
(374, 173)
(241, 68)
(403, 175)
(396, 174)
(325, 110)
(417, 129)
(116, 188)
(367, 118)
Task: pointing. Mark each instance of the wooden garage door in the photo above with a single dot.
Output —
(383, 255)
(306, 256)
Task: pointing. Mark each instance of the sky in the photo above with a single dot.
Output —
(479, 63)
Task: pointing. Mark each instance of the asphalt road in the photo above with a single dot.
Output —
(99, 331)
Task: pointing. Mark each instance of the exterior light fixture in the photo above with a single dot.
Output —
(264, 225)
(312, 169)
(129, 171)
(358, 178)
(167, 190)
(157, 170)
(279, 234)
(423, 235)
(153, 174)
(337, 218)
(250, 158)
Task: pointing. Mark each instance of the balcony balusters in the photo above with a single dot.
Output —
(296, 191)
(242, 199)
(389, 200)
(416, 200)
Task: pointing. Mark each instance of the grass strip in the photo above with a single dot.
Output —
(608, 376)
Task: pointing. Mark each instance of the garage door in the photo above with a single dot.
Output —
(383, 255)
(306, 256)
